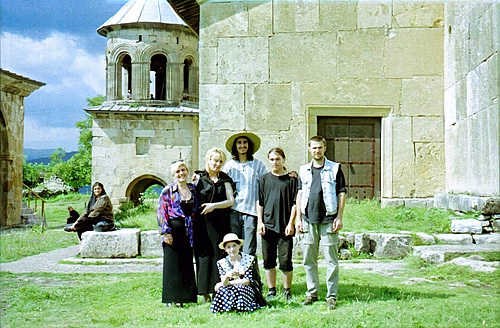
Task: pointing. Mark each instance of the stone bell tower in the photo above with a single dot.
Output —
(150, 117)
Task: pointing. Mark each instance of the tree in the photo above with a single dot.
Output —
(57, 156)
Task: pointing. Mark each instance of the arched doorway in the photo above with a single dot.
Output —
(139, 185)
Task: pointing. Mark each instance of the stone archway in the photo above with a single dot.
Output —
(140, 184)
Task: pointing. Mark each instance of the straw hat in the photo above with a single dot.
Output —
(230, 237)
(253, 137)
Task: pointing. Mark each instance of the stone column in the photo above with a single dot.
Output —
(140, 80)
(114, 83)
(193, 80)
(174, 82)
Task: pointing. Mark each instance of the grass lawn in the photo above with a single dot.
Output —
(365, 300)
(449, 296)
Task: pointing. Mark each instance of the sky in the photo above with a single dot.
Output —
(55, 42)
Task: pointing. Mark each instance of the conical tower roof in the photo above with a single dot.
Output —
(142, 11)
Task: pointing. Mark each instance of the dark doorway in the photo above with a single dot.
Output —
(355, 143)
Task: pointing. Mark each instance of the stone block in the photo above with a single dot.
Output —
(374, 14)
(391, 245)
(432, 257)
(260, 18)
(222, 20)
(119, 243)
(361, 54)
(428, 129)
(396, 202)
(480, 266)
(429, 163)
(268, 102)
(243, 60)
(492, 239)
(403, 168)
(466, 226)
(296, 16)
(362, 92)
(482, 85)
(482, 39)
(417, 202)
(426, 238)
(418, 14)
(335, 15)
(294, 57)
(492, 206)
(350, 237)
(441, 201)
(425, 58)
(362, 243)
(208, 65)
(223, 107)
(422, 96)
(342, 242)
(495, 224)
(151, 244)
(454, 239)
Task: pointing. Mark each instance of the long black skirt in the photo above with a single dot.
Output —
(179, 284)
(209, 232)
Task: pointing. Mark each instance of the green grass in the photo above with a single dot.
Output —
(367, 215)
(365, 300)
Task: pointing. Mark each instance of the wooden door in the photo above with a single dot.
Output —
(355, 143)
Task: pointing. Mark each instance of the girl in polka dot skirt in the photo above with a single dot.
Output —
(234, 292)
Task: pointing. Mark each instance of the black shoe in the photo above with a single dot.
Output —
(270, 296)
(310, 300)
(287, 295)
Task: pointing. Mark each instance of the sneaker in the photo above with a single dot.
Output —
(310, 300)
(287, 295)
(270, 296)
(331, 303)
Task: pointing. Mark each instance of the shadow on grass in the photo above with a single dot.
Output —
(352, 293)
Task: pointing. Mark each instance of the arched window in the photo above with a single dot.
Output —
(187, 67)
(124, 77)
(158, 77)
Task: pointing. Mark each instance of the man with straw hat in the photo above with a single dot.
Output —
(245, 171)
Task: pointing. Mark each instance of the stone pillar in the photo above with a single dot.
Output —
(193, 80)
(113, 84)
(174, 82)
(140, 80)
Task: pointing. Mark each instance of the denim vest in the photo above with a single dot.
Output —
(328, 185)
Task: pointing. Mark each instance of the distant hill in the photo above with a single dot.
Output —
(42, 156)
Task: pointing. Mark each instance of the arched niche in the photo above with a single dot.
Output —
(158, 76)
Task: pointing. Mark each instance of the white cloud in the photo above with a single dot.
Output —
(71, 74)
(39, 136)
(54, 60)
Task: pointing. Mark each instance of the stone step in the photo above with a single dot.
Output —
(438, 254)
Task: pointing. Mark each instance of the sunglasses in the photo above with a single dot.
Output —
(177, 161)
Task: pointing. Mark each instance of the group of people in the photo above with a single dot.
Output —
(221, 209)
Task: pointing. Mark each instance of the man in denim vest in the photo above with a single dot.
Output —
(320, 204)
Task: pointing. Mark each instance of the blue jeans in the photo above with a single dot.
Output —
(245, 226)
(317, 235)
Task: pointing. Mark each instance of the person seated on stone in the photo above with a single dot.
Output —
(237, 290)
(99, 209)
(73, 215)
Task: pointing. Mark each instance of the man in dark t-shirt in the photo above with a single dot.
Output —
(276, 221)
(320, 203)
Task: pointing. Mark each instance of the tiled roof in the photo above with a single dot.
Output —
(113, 108)
(142, 11)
